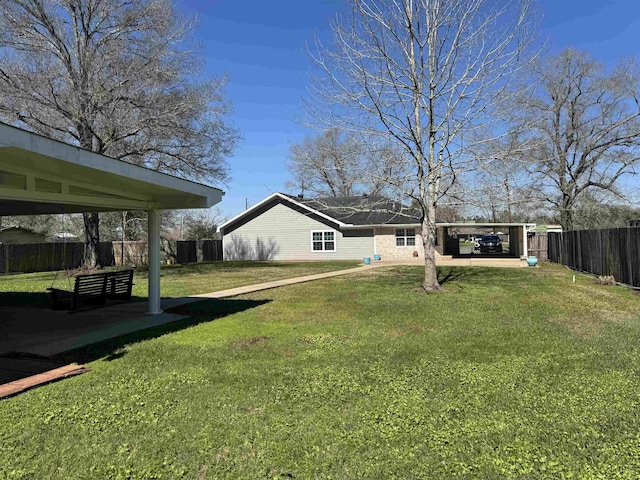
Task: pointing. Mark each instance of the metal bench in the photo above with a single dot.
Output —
(94, 289)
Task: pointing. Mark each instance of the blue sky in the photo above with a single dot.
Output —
(260, 45)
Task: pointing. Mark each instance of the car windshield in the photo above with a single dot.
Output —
(491, 238)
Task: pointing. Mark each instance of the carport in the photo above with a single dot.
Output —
(448, 243)
(39, 175)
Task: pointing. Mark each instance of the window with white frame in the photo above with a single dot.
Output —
(405, 237)
(323, 241)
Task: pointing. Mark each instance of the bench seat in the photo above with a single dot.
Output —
(94, 289)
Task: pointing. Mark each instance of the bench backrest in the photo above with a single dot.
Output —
(119, 283)
(91, 285)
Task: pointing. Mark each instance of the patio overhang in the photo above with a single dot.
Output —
(39, 175)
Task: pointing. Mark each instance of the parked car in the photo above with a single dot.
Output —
(490, 244)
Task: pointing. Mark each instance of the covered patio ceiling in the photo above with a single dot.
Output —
(43, 176)
(39, 175)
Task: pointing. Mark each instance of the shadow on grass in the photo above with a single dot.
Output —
(457, 274)
(197, 312)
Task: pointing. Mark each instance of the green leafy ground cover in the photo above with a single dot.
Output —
(510, 373)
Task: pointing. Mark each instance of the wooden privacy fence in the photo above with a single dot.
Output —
(537, 246)
(614, 251)
(43, 257)
(130, 253)
(192, 251)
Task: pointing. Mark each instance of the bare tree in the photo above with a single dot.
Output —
(503, 188)
(422, 74)
(202, 224)
(115, 77)
(585, 124)
(325, 165)
(593, 212)
(339, 164)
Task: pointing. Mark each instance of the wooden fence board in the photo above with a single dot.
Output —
(614, 251)
(192, 251)
(538, 246)
(43, 257)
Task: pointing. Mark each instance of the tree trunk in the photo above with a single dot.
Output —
(566, 219)
(430, 283)
(91, 220)
(506, 184)
(566, 214)
(92, 240)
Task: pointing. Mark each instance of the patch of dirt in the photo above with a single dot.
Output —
(202, 472)
(587, 324)
(408, 329)
(82, 270)
(287, 352)
(244, 343)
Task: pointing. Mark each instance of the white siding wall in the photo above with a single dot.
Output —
(289, 232)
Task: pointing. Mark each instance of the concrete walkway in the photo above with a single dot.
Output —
(232, 292)
(455, 262)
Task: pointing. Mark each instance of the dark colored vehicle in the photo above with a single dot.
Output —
(490, 244)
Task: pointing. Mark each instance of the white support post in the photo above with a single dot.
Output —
(153, 307)
(525, 241)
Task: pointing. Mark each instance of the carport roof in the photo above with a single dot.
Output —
(39, 175)
(485, 225)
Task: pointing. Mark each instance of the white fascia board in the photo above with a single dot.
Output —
(381, 225)
(481, 225)
(241, 214)
(444, 224)
(286, 198)
(15, 137)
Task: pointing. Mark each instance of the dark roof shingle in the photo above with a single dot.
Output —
(363, 210)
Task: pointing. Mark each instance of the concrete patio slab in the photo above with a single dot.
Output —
(46, 332)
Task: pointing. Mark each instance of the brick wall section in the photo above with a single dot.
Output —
(386, 245)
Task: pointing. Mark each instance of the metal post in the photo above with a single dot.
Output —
(153, 307)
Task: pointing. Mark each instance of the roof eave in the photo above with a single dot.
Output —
(285, 198)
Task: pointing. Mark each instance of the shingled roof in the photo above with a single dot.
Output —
(363, 210)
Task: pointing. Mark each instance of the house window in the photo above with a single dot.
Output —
(405, 237)
(323, 241)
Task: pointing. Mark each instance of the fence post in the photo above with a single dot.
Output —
(5, 252)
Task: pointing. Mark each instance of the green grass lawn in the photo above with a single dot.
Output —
(177, 280)
(510, 373)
